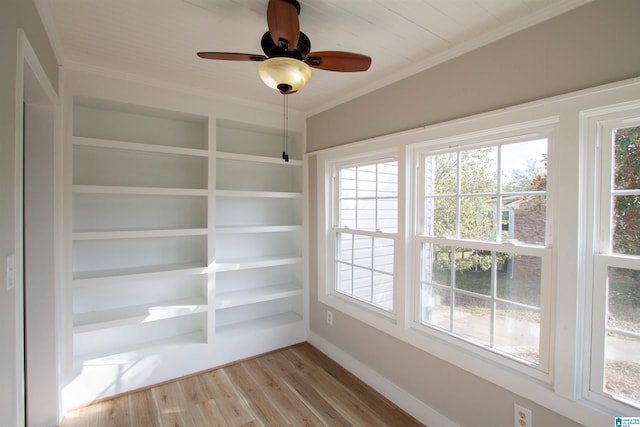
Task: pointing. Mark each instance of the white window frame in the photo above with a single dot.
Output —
(597, 127)
(518, 132)
(328, 228)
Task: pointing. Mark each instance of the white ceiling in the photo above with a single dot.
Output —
(157, 40)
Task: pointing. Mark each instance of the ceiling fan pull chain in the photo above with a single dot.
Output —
(285, 132)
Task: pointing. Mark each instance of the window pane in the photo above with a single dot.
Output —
(626, 225)
(344, 250)
(383, 255)
(362, 284)
(344, 281)
(368, 197)
(366, 176)
(622, 346)
(525, 220)
(436, 306)
(478, 171)
(362, 251)
(473, 271)
(519, 278)
(472, 318)
(436, 264)
(624, 299)
(622, 367)
(436, 300)
(347, 213)
(517, 332)
(383, 290)
(524, 166)
(364, 268)
(627, 159)
(441, 216)
(476, 218)
(366, 214)
(441, 174)
(387, 215)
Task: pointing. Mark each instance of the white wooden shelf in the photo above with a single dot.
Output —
(134, 352)
(251, 263)
(237, 330)
(258, 159)
(112, 189)
(122, 316)
(134, 146)
(129, 234)
(91, 277)
(257, 229)
(256, 295)
(256, 194)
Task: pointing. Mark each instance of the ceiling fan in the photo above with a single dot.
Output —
(287, 62)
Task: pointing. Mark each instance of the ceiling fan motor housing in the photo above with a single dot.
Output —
(271, 50)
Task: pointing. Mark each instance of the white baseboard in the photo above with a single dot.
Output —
(409, 403)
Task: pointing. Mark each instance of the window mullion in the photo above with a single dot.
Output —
(494, 268)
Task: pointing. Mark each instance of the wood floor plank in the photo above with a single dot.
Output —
(233, 406)
(352, 408)
(289, 404)
(315, 401)
(382, 407)
(262, 406)
(171, 405)
(110, 412)
(142, 409)
(295, 386)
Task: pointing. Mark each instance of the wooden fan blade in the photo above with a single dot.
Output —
(284, 26)
(231, 56)
(338, 61)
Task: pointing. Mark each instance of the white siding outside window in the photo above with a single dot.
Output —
(366, 223)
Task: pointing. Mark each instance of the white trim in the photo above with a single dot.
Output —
(400, 397)
(26, 56)
(18, 243)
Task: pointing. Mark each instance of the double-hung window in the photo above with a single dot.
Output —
(483, 246)
(365, 228)
(613, 174)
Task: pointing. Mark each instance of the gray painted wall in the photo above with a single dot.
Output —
(589, 46)
(14, 14)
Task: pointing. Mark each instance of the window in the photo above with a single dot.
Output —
(366, 222)
(614, 369)
(507, 244)
(482, 240)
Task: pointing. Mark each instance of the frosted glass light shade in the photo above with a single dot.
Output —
(284, 74)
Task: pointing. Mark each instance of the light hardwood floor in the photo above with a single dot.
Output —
(295, 386)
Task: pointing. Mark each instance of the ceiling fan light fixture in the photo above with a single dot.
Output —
(283, 74)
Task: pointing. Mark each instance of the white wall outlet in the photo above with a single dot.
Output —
(329, 317)
(11, 271)
(522, 416)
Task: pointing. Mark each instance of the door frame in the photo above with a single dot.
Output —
(34, 87)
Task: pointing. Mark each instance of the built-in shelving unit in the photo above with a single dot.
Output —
(140, 229)
(259, 233)
(184, 236)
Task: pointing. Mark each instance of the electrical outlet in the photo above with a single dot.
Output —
(522, 416)
(329, 317)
